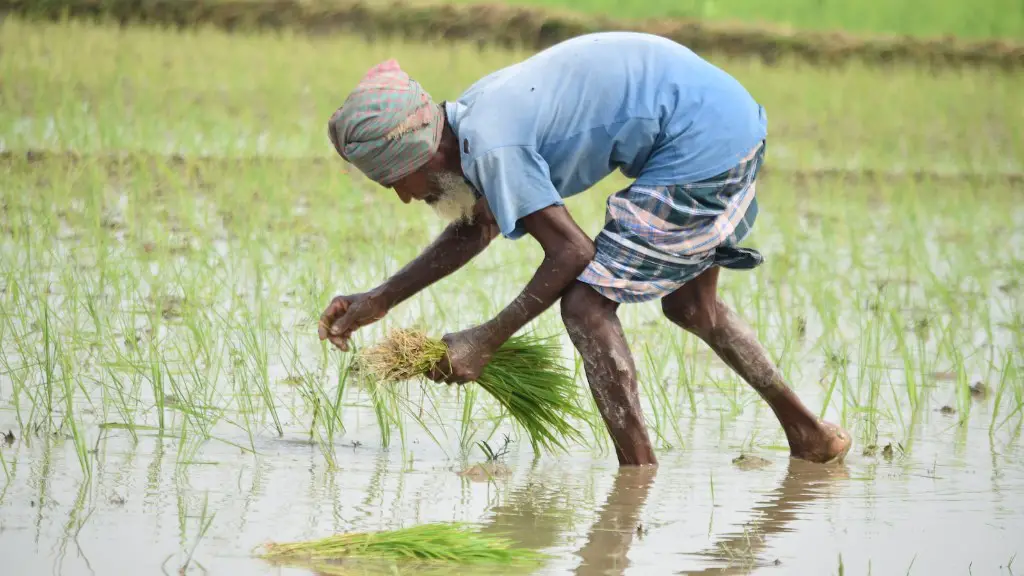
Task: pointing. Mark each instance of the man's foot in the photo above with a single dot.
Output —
(824, 444)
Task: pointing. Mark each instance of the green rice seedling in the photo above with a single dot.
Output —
(7, 472)
(1000, 391)
(524, 376)
(490, 454)
(126, 364)
(324, 418)
(256, 359)
(202, 366)
(909, 370)
(468, 427)
(344, 371)
(963, 390)
(664, 409)
(332, 403)
(391, 400)
(156, 380)
(384, 400)
(685, 369)
(454, 543)
(17, 375)
(49, 363)
(189, 445)
(77, 434)
(1011, 374)
(246, 407)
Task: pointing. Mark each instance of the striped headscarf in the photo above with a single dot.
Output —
(388, 126)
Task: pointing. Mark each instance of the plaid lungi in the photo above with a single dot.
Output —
(657, 238)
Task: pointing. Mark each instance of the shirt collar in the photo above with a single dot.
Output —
(454, 111)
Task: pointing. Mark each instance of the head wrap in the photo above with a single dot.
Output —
(388, 126)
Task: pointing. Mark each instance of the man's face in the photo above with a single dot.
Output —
(445, 191)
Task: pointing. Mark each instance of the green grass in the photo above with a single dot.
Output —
(986, 19)
(88, 89)
(178, 295)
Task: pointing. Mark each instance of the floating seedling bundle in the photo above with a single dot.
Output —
(525, 376)
(438, 545)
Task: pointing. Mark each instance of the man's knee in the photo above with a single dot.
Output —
(574, 306)
(582, 307)
(692, 310)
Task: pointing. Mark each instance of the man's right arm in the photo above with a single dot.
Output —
(458, 244)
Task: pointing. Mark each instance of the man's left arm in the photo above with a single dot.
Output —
(567, 252)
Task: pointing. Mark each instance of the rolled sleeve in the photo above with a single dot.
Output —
(516, 182)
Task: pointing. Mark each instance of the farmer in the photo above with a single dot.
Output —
(503, 157)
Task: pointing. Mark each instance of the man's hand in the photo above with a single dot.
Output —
(346, 314)
(469, 351)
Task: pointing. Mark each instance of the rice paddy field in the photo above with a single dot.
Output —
(983, 19)
(173, 222)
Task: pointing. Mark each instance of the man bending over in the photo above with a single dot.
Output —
(504, 156)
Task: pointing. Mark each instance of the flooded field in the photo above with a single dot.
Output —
(167, 407)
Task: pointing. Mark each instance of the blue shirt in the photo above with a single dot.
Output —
(558, 122)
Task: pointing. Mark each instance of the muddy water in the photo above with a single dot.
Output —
(955, 507)
(954, 504)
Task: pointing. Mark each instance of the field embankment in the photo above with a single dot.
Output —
(524, 27)
(985, 19)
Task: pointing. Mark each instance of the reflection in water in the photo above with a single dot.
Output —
(618, 524)
(41, 476)
(804, 483)
(255, 491)
(76, 520)
(612, 534)
(536, 513)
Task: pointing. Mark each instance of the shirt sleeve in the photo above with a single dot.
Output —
(516, 182)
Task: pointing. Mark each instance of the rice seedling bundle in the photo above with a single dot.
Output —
(524, 376)
(448, 542)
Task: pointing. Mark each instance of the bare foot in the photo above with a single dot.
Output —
(824, 444)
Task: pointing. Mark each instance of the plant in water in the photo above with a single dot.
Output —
(524, 375)
(436, 542)
(489, 452)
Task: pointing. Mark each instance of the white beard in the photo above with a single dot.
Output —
(457, 197)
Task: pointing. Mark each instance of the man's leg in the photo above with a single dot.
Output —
(597, 334)
(607, 547)
(697, 308)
